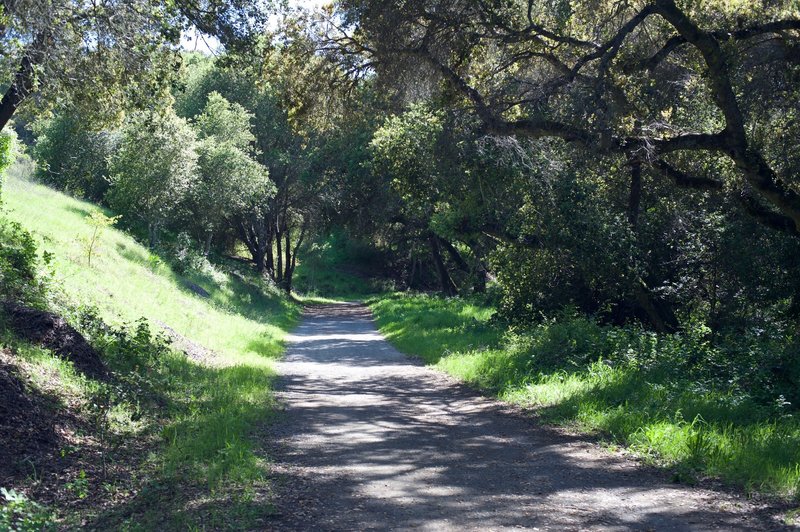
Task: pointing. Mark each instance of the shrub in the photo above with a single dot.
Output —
(19, 265)
(71, 157)
(20, 514)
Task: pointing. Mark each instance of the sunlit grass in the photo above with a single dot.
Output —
(328, 273)
(431, 327)
(203, 437)
(126, 281)
(666, 418)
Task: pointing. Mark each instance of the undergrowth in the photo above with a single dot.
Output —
(337, 269)
(723, 408)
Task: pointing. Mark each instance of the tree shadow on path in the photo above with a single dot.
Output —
(371, 440)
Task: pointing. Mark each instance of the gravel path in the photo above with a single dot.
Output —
(371, 440)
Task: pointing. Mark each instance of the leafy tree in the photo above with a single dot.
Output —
(229, 180)
(650, 114)
(104, 56)
(153, 169)
(667, 88)
(226, 122)
(72, 157)
(282, 87)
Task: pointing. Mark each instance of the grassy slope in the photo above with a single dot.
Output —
(202, 443)
(126, 282)
(650, 407)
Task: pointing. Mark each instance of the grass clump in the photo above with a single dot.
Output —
(696, 406)
(432, 327)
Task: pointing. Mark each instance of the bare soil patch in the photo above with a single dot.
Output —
(53, 332)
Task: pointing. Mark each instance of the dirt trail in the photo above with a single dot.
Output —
(371, 440)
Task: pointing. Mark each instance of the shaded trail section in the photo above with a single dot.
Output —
(372, 440)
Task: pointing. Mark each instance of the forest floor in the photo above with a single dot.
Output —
(371, 439)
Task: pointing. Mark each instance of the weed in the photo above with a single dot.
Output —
(20, 514)
(79, 486)
(98, 222)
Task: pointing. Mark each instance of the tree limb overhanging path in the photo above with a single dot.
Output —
(373, 440)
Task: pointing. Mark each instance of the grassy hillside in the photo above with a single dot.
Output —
(176, 440)
(666, 397)
(125, 281)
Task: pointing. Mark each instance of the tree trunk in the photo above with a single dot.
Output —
(16, 93)
(254, 237)
(207, 244)
(413, 273)
(291, 264)
(635, 195)
(288, 261)
(152, 230)
(270, 252)
(446, 284)
(258, 258)
(658, 313)
(459, 261)
(278, 277)
(660, 316)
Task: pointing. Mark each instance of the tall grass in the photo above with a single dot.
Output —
(669, 398)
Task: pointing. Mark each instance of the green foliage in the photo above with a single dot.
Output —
(8, 154)
(19, 264)
(98, 222)
(431, 327)
(20, 514)
(339, 269)
(79, 486)
(7, 151)
(153, 168)
(404, 149)
(722, 408)
(229, 182)
(226, 122)
(71, 157)
(207, 413)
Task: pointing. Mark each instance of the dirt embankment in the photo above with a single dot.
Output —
(53, 332)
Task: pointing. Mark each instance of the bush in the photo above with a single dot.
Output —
(20, 514)
(185, 255)
(19, 265)
(72, 158)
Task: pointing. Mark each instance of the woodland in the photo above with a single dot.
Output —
(559, 187)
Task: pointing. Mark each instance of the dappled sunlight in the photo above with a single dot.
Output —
(362, 337)
(388, 443)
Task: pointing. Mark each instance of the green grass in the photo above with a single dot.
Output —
(330, 272)
(202, 444)
(628, 385)
(432, 327)
(241, 320)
